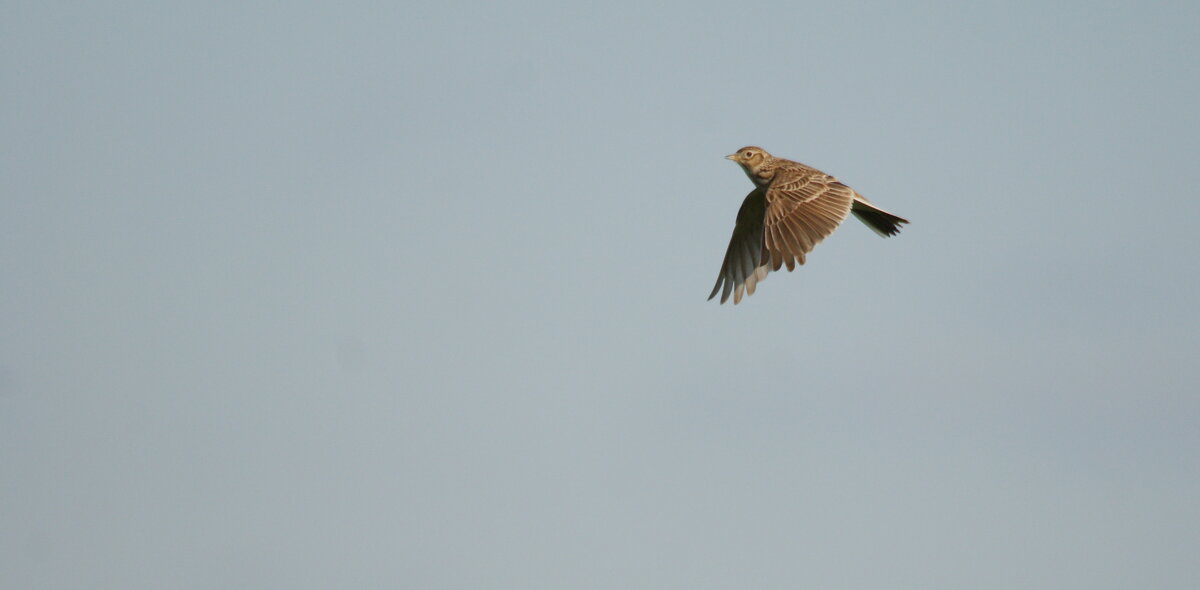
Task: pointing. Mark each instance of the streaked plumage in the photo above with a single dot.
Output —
(791, 209)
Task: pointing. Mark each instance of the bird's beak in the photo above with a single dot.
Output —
(731, 157)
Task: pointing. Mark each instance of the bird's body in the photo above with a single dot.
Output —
(791, 209)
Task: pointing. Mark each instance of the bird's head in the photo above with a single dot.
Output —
(749, 156)
(751, 159)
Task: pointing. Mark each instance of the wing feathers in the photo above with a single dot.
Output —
(744, 260)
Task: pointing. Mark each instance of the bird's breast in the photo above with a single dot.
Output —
(759, 178)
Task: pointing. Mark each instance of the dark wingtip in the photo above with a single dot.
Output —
(717, 289)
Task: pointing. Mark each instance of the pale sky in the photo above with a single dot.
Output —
(361, 296)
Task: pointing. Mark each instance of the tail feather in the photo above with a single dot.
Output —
(882, 222)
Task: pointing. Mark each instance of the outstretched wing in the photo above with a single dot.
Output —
(803, 207)
(745, 260)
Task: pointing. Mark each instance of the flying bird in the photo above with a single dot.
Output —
(791, 209)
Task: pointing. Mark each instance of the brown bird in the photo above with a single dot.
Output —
(791, 209)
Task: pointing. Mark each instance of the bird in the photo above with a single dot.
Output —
(791, 209)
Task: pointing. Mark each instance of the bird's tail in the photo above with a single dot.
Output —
(882, 222)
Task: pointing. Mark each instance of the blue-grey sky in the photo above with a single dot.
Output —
(413, 296)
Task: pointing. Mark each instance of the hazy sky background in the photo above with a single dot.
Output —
(413, 296)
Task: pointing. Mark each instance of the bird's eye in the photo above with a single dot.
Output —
(746, 155)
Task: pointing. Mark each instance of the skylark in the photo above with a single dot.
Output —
(791, 209)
